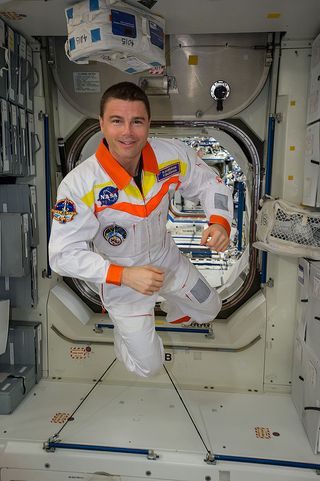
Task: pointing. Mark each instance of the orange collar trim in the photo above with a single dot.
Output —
(117, 173)
(149, 159)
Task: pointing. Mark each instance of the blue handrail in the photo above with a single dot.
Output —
(48, 185)
(163, 329)
(241, 190)
(86, 447)
(272, 462)
(271, 128)
(52, 445)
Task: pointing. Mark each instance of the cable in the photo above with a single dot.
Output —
(86, 397)
(312, 408)
(184, 405)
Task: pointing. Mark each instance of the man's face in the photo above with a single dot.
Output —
(125, 126)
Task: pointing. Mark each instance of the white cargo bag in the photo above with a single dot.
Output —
(113, 32)
(286, 229)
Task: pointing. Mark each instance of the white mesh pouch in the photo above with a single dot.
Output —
(113, 32)
(284, 228)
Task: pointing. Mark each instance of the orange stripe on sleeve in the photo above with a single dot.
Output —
(218, 219)
(114, 274)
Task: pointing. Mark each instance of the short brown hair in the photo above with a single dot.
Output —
(124, 91)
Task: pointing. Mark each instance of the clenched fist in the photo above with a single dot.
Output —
(144, 279)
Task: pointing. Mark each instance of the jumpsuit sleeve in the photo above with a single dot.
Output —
(198, 181)
(69, 246)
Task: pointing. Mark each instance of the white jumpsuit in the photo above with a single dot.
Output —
(102, 222)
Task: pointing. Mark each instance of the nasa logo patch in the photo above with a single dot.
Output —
(64, 211)
(115, 234)
(108, 196)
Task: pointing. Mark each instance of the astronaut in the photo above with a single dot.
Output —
(109, 227)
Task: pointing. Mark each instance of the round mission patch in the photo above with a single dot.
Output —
(115, 234)
(64, 211)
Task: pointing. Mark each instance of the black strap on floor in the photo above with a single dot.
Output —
(12, 376)
(185, 407)
(86, 397)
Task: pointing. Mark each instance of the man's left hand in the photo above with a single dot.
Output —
(215, 236)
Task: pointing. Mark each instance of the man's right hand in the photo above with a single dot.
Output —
(144, 279)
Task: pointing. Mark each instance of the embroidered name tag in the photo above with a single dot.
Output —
(168, 171)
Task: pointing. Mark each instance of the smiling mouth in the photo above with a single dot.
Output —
(127, 143)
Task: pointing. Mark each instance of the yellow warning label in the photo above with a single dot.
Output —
(78, 352)
(273, 15)
(11, 40)
(158, 322)
(262, 433)
(292, 148)
(60, 418)
(193, 60)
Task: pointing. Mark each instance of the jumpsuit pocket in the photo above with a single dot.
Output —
(195, 287)
(121, 239)
(199, 292)
(157, 229)
(161, 228)
(140, 238)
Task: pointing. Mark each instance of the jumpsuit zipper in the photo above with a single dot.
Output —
(146, 218)
(145, 212)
